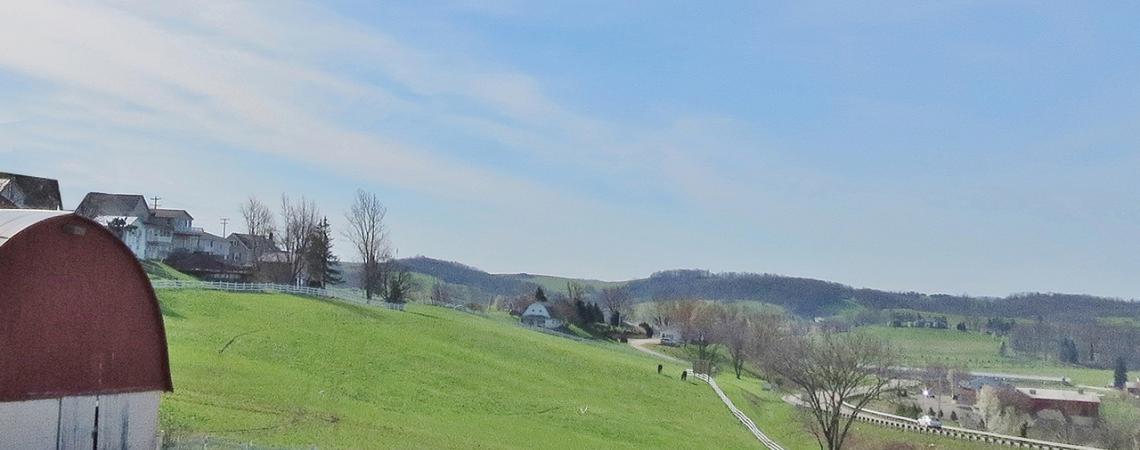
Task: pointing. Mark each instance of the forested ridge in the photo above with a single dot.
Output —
(803, 296)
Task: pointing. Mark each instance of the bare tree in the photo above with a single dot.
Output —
(837, 372)
(369, 235)
(440, 295)
(743, 334)
(697, 322)
(300, 218)
(575, 292)
(659, 313)
(616, 300)
(733, 331)
(258, 218)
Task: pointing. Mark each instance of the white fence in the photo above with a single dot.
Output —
(345, 295)
(748, 423)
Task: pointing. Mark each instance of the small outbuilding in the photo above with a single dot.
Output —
(83, 358)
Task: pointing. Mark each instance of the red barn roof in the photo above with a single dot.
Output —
(77, 313)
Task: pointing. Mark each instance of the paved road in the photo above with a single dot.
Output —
(641, 343)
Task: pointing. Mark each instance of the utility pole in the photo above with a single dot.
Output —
(225, 220)
(156, 199)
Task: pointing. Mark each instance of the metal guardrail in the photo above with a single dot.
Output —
(906, 423)
(345, 295)
(748, 423)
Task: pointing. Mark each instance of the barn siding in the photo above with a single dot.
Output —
(29, 425)
(125, 421)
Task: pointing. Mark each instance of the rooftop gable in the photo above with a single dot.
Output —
(97, 204)
(39, 193)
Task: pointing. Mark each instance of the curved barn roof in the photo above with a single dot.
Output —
(77, 313)
(13, 221)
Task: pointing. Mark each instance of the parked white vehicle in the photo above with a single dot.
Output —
(929, 422)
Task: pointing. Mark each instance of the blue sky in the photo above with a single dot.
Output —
(959, 147)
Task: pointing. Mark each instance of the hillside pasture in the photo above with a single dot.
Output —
(286, 371)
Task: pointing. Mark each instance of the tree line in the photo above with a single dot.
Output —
(305, 239)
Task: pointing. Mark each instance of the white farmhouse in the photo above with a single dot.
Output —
(538, 315)
(129, 229)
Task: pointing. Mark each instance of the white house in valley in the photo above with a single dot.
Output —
(538, 315)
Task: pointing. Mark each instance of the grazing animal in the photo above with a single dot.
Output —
(684, 375)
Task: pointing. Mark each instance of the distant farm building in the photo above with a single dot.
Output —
(538, 315)
(670, 336)
(968, 390)
(27, 192)
(84, 361)
(1071, 403)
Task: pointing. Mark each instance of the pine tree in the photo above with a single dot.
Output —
(1003, 351)
(539, 295)
(581, 312)
(1068, 351)
(320, 262)
(1120, 374)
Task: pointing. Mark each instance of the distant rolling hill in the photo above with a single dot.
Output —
(805, 297)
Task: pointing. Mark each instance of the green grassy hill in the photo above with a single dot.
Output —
(160, 271)
(286, 371)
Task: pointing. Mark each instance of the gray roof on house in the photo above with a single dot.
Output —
(977, 384)
(40, 193)
(537, 309)
(251, 241)
(172, 214)
(1060, 395)
(96, 204)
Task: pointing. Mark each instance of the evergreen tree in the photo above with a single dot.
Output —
(1120, 374)
(615, 319)
(582, 312)
(1003, 351)
(320, 262)
(1068, 351)
(539, 295)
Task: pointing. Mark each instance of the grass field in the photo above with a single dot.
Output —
(285, 371)
(976, 352)
(159, 271)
